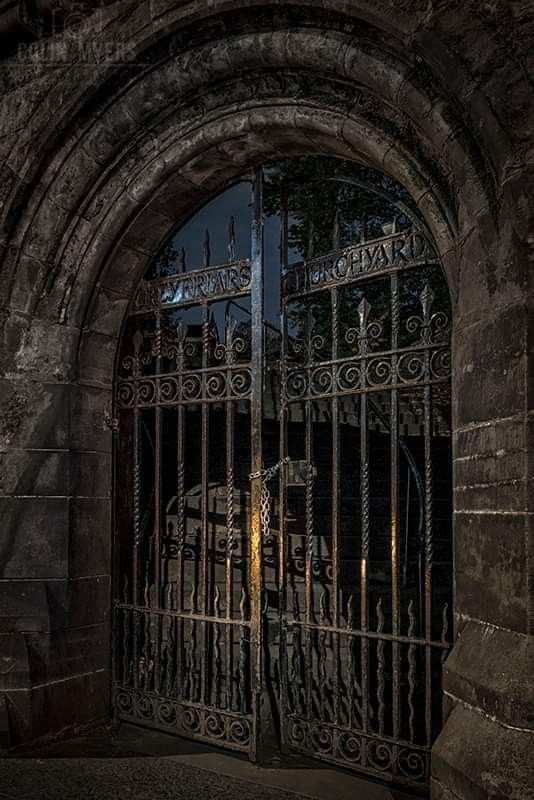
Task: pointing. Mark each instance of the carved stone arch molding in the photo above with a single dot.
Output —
(102, 162)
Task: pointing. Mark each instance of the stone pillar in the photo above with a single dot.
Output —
(54, 558)
(486, 749)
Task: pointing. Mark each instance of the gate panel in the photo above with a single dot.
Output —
(186, 616)
(365, 402)
(325, 604)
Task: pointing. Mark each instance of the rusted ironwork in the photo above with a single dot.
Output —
(186, 635)
(369, 699)
(333, 570)
(190, 288)
(355, 263)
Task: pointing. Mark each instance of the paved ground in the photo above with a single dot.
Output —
(144, 765)
(123, 779)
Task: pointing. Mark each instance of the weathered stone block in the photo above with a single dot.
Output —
(512, 97)
(493, 496)
(175, 198)
(108, 313)
(78, 602)
(491, 580)
(33, 414)
(490, 468)
(90, 474)
(475, 758)
(67, 653)
(36, 472)
(491, 669)
(76, 177)
(490, 368)
(97, 357)
(14, 662)
(159, 227)
(50, 708)
(23, 606)
(89, 537)
(115, 127)
(29, 274)
(45, 233)
(89, 408)
(125, 268)
(46, 351)
(18, 717)
(493, 439)
(77, 701)
(34, 537)
(492, 275)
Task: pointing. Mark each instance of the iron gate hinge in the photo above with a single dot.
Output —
(111, 422)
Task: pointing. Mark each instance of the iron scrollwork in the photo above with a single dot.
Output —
(361, 673)
(185, 661)
(351, 537)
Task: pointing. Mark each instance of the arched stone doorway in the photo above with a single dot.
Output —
(284, 475)
(103, 162)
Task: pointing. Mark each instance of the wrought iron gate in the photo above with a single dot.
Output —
(283, 505)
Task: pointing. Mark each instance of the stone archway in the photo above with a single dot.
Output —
(133, 153)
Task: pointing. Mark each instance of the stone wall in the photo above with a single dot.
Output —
(118, 121)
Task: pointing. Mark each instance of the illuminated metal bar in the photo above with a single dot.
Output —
(283, 549)
(204, 520)
(309, 526)
(335, 532)
(394, 511)
(256, 579)
(230, 510)
(137, 343)
(181, 336)
(157, 594)
(365, 530)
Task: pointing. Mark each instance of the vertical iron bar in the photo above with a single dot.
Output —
(407, 527)
(381, 669)
(363, 312)
(429, 546)
(256, 580)
(309, 615)
(282, 504)
(394, 499)
(137, 342)
(334, 296)
(215, 695)
(181, 531)
(119, 674)
(364, 613)
(284, 240)
(181, 336)
(157, 516)
(230, 539)
(411, 671)
(204, 516)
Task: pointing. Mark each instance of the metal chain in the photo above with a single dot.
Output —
(267, 475)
